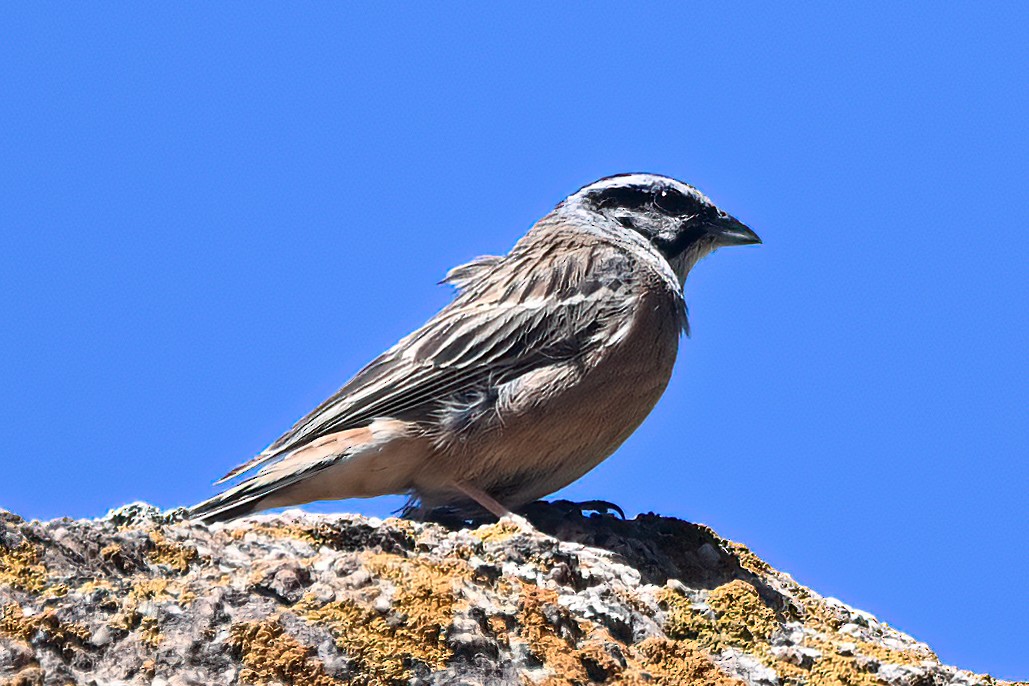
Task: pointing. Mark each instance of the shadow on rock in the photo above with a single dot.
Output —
(660, 548)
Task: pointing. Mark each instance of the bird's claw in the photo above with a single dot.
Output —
(601, 507)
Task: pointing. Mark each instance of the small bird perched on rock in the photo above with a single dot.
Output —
(547, 359)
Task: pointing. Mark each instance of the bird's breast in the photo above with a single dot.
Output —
(539, 432)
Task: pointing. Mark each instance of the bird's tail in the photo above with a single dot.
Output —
(285, 482)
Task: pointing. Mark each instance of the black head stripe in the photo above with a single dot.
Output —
(669, 201)
(628, 197)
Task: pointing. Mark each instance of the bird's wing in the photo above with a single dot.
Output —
(466, 274)
(539, 305)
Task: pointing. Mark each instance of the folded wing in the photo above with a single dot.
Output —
(534, 307)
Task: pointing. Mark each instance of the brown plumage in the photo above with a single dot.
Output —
(545, 362)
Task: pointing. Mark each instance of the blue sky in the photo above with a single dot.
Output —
(213, 214)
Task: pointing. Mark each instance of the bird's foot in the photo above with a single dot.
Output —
(485, 500)
(567, 507)
(476, 511)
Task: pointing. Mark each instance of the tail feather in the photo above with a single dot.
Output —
(252, 463)
(256, 493)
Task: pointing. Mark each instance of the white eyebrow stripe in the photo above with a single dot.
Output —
(641, 181)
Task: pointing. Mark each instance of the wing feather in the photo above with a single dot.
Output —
(534, 307)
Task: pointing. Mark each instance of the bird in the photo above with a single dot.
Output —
(546, 360)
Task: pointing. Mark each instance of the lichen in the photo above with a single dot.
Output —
(175, 555)
(747, 559)
(128, 617)
(830, 669)
(409, 602)
(683, 622)
(539, 618)
(22, 568)
(29, 676)
(743, 617)
(743, 621)
(676, 663)
(822, 619)
(52, 630)
(499, 532)
(580, 652)
(324, 533)
(272, 656)
(149, 633)
(422, 608)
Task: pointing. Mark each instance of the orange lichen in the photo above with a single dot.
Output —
(271, 656)
(676, 663)
(32, 675)
(537, 607)
(578, 652)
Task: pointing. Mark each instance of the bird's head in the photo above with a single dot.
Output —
(678, 220)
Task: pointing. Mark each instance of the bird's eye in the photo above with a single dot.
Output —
(671, 201)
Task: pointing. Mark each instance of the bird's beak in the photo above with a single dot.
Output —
(731, 231)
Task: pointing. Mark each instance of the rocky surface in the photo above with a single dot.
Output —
(141, 597)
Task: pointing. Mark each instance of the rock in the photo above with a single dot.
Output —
(142, 596)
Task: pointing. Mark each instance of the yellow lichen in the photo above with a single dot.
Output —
(499, 532)
(94, 585)
(748, 560)
(271, 656)
(675, 663)
(15, 624)
(128, 618)
(115, 555)
(683, 622)
(170, 553)
(21, 567)
(822, 618)
(379, 649)
(742, 620)
(317, 535)
(831, 669)
(743, 616)
(149, 633)
(580, 652)
(186, 597)
(423, 606)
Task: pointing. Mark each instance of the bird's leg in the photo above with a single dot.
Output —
(483, 498)
(492, 504)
